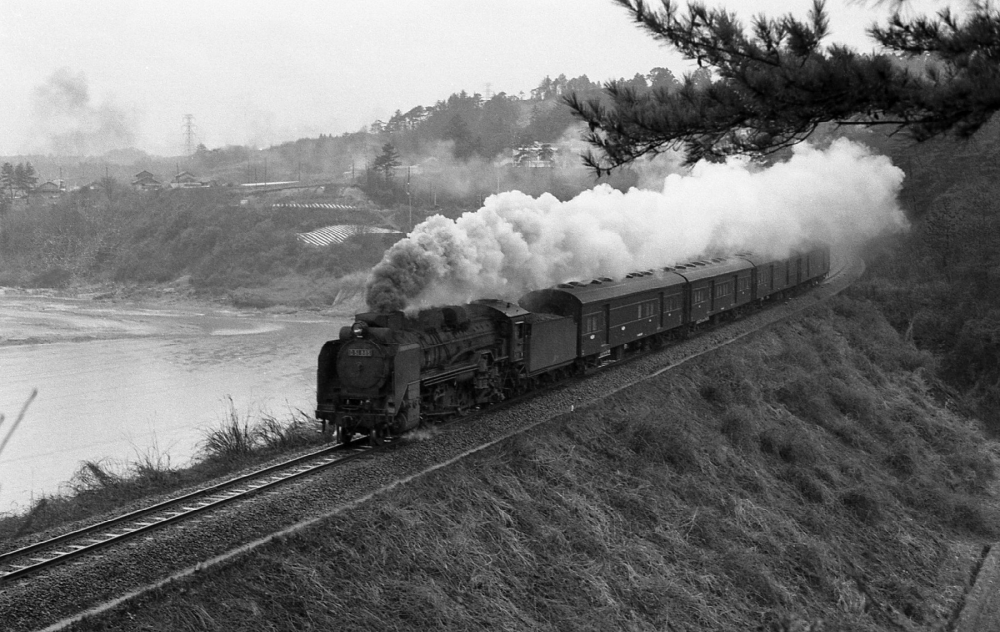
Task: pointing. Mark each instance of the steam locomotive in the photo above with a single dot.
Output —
(388, 373)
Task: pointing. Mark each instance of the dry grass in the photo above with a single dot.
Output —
(804, 476)
(243, 435)
(98, 487)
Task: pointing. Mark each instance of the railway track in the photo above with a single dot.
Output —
(29, 560)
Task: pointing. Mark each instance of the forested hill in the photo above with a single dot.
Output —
(462, 128)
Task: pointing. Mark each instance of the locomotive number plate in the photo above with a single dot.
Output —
(362, 353)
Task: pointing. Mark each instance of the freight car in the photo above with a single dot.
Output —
(389, 373)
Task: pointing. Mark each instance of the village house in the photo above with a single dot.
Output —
(51, 189)
(186, 180)
(146, 181)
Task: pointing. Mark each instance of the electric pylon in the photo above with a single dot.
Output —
(189, 133)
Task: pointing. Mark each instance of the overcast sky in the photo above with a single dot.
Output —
(118, 72)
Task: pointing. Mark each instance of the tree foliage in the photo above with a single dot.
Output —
(387, 160)
(21, 177)
(7, 179)
(776, 82)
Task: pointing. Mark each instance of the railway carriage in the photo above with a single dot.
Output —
(610, 315)
(716, 288)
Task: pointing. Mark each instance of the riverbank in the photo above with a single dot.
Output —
(132, 377)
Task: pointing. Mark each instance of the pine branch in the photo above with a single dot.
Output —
(775, 84)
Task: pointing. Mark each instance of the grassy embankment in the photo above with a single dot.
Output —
(807, 472)
(241, 441)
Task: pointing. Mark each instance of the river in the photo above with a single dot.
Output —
(119, 383)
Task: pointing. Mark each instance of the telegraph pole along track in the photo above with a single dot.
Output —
(149, 554)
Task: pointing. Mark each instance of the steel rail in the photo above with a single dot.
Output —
(117, 529)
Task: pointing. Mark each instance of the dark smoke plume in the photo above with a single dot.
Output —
(67, 123)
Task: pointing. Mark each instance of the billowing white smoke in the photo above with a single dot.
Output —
(516, 243)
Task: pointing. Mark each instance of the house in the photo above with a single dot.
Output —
(51, 189)
(186, 180)
(534, 156)
(145, 181)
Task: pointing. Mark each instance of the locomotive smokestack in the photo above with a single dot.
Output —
(516, 243)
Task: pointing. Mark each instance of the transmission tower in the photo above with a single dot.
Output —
(189, 136)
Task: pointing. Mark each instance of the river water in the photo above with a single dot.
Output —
(119, 384)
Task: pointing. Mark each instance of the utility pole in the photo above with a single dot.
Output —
(189, 133)
(409, 201)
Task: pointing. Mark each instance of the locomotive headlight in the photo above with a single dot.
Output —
(359, 329)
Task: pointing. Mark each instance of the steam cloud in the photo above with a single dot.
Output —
(841, 195)
(71, 125)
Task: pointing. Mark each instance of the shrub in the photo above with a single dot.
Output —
(233, 440)
(274, 434)
(240, 436)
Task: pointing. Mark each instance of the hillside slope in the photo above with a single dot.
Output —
(805, 473)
